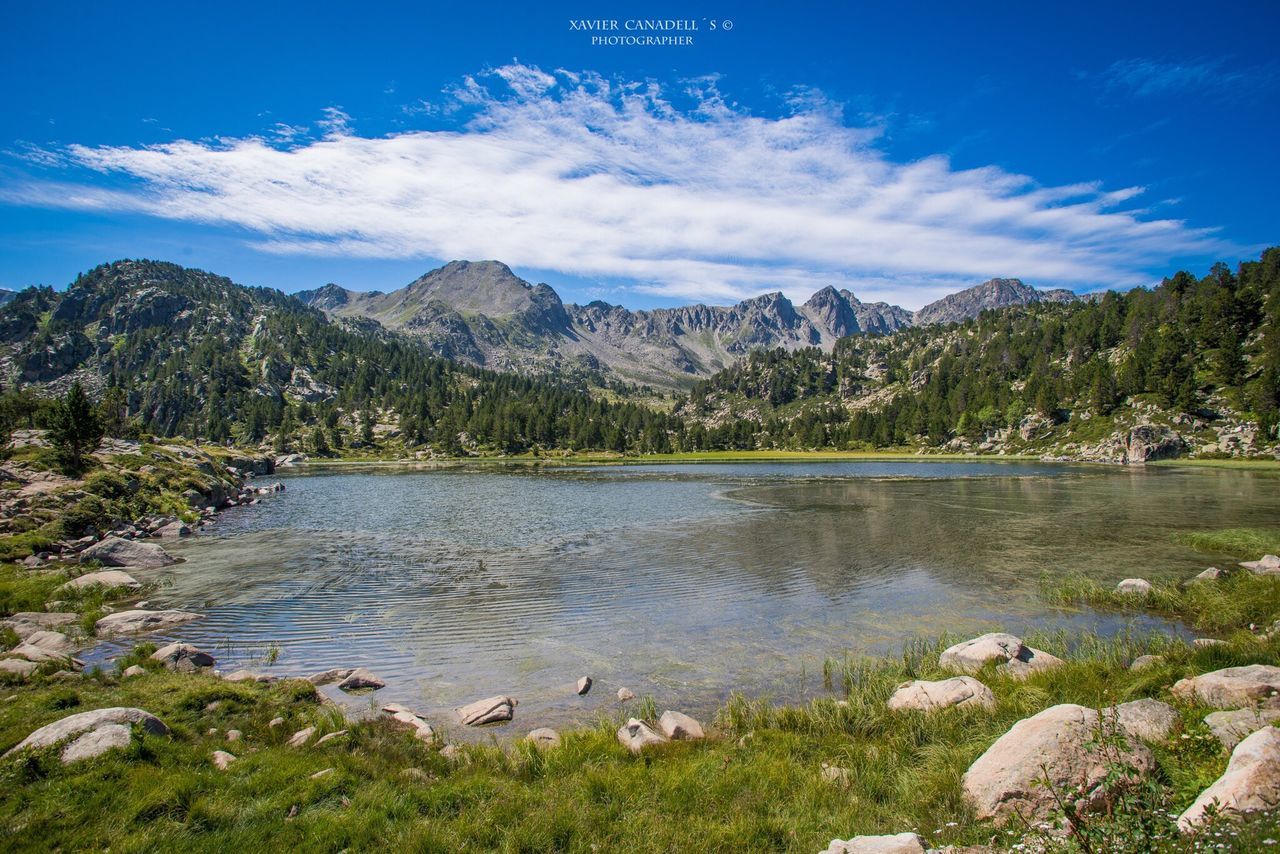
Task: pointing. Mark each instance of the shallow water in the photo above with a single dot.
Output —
(686, 582)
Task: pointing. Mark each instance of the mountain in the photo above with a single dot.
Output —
(993, 293)
(6, 295)
(482, 313)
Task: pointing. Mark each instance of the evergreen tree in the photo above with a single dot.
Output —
(74, 430)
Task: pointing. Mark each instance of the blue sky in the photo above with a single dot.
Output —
(900, 150)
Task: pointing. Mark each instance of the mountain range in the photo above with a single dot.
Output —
(480, 312)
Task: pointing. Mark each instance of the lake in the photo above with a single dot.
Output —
(684, 582)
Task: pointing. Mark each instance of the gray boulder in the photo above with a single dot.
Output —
(898, 843)
(1135, 587)
(1251, 782)
(222, 760)
(114, 551)
(74, 725)
(1267, 565)
(488, 711)
(173, 531)
(138, 620)
(584, 685)
(1232, 727)
(544, 738)
(1013, 657)
(182, 657)
(1144, 661)
(24, 623)
(679, 726)
(412, 720)
(18, 667)
(96, 742)
(926, 696)
(107, 579)
(636, 735)
(360, 679)
(1233, 687)
(1149, 720)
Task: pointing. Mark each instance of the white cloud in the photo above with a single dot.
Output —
(683, 194)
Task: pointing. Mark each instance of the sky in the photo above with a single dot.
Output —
(900, 150)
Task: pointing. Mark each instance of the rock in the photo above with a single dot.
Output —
(1232, 727)
(679, 726)
(1135, 587)
(18, 667)
(901, 843)
(322, 773)
(301, 737)
(625, 695)
(636, 735)
(584, 685)
(1144, 661)
(452, 752)
(970, 656)
(1006, 780)
(1251, 782)
(1149, 720)
(222, 760)
(52, 641)
(25, 623)
(1213, 574)
(275, 722)
(1150, 442)
(134, 670)
(96, 742)
(1203, 642)
(360, 679)
(544, 738)
(107, 579)
(173, 531)
(1234, 687)
(411, 719)
(182, 657)
(488, 711)
(334, 674)
(1267, 565)
(1030, 662)
(248, 676)
(115, 551)
(74, 725)
(234, 735)
(39, 655)
(136, 621)
(333, 736)
(835, 774)
(930, 696)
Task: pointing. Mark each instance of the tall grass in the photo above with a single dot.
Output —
(1238, 601)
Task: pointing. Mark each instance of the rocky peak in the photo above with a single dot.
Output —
(993, 293)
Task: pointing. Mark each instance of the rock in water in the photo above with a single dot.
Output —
(1135, 587)
(1267, 565)
(1213, 574)
(108, 579)
(584, 685)
(1231, 728)
(1234, 687)
(411, 719)
(114, 551)
(679, 726)
(900, 843)
(182, 657)
(96, 742)
(488, 711)
(636, 735)
(544, 738)
(625, 695)
(74, 725)
(333, 674)
(1006, 780)
(929, 696)
(137, 621)
(1251, 782)
(173, 531)
(360, 679)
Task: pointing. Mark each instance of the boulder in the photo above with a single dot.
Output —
(1149, 720)
(18, 667)
(82, 722)
(1144, 661)
(835, 774)
(40, 655)
(1005, 781)
(1251, 782)
(173, 531)
(1266, 565)
(1232, 727)
(115, 551)
(360, 679)
(182, 657)
(107, 579)
(332, 736)
(1233, 687)
(636, 735)
(248, 676)
(333, 674)
(1135, 587)
(25, 623)
(679, 726)
(222, 760)
(970, 656)
(234, 735)
(301, 737)
(138, 620)
(1029, 662)
(134, 670)
(925, 696)
(625, 695)
(52, 641)
(544, 738)
(1203, 642)
(1213, 574)
(584, 685)
(488, 711)
(899, 843)
(96, 742)
(411, 719)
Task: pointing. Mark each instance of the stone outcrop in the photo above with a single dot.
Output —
(488, 711)
(1251, 782)
(1233, 687)
(24, 623)
(82, 722)
(636, 735)
(926, 696)
(1234, 726)
(96, 742)
(114, 551)
(139, 620)
(1054, 746)
(108, 579)
(898, 843)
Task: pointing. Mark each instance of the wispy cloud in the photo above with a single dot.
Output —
(678, 191)
(1148, 77)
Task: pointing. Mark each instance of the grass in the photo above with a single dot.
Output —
(1218, 607)
(1246, 543)
(1265, 465)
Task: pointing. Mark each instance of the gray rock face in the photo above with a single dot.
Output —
(96, 742)
(1151, 442)
(74, 725)
(925, 696)
(114, 551)
(898, 843)
(1251, 782)
(109, 579)
(488, 711)
(52, 641)
(993, 293)
(183, 657)
(1234, 687)
(1005, 780)
(248, 676)
(137, 621)
(1213, 574)
(174, 530)
(636, 735)
(679, 726)
(1232, 727)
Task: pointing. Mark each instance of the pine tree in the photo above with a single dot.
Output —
(74, 430)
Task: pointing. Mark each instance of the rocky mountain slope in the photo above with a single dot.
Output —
(482, 313)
